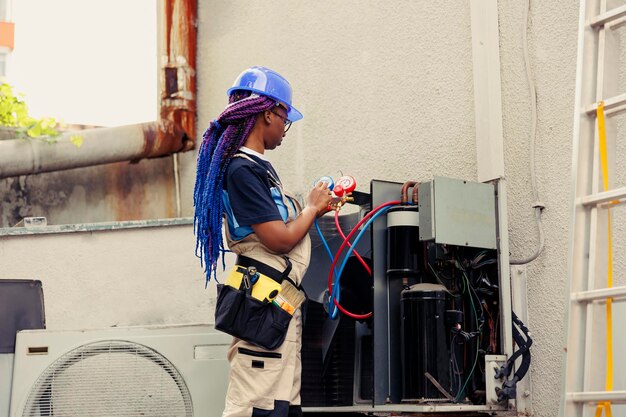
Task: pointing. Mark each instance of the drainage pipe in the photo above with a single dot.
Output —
(177, 52)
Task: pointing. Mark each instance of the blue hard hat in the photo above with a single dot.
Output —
(269, 83)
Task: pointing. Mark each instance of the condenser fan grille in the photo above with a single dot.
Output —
(111, 378)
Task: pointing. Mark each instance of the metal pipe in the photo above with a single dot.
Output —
(177, 79)
(178, 59)
(100, 146)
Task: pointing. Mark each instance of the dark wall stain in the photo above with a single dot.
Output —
(112, 192)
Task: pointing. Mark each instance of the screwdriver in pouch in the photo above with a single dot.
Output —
(246, 280)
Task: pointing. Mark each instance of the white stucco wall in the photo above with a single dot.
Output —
(387, 93)
(552, 49)
(114, 277)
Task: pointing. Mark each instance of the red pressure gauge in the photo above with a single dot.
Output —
(344, 185)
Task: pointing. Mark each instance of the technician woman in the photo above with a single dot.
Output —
(265, 226)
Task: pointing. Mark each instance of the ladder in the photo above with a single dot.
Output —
(588, 379)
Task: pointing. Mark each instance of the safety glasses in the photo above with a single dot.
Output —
(285, 120)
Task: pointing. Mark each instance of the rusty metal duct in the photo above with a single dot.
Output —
(100, 146)
(178, 58)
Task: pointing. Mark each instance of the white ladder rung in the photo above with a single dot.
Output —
(607, 17)
(600, 294)
(612, 103)
(617, 194)
(597, 396)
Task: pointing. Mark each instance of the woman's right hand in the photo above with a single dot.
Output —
(319, 198)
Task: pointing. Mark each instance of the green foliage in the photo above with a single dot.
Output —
(77, 140)
(14, 113)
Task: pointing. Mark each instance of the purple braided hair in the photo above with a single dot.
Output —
(220, 142)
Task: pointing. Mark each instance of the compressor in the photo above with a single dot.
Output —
(424, 265)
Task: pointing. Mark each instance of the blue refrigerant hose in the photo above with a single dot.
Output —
(332, 308)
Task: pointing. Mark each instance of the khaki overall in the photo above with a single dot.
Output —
(266, 382)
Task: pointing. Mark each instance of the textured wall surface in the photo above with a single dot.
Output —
(552, 40)
(387, 93)
(113, 278)
(385, 89)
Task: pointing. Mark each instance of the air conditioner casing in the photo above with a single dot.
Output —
(196, 354)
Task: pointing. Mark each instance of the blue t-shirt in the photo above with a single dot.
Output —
(251, 195)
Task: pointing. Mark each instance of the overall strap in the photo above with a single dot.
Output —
(278, 276)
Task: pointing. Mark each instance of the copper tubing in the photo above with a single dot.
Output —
(404, 197)
(416, 187)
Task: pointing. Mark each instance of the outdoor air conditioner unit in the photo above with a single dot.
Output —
(133, 371)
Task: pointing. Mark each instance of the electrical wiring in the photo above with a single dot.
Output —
(538, 211)
(441, 275)
(469, 290)
(469, 376)
(537, 205)
(333, 287)
(484, 263)
(533, 97)
(456, 372)
(440, 282)
(509, 387)
(478, 327)
(478, 258)
(482, 314)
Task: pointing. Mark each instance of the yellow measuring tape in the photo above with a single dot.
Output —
(606, 405)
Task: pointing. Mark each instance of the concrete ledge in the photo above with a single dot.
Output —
(92, 227)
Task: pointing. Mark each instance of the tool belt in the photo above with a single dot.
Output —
(246, 305)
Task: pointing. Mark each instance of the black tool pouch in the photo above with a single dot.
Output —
(240, 315)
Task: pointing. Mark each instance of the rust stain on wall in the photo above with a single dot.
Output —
(141, 190)
(112, 192)
(127, 205)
